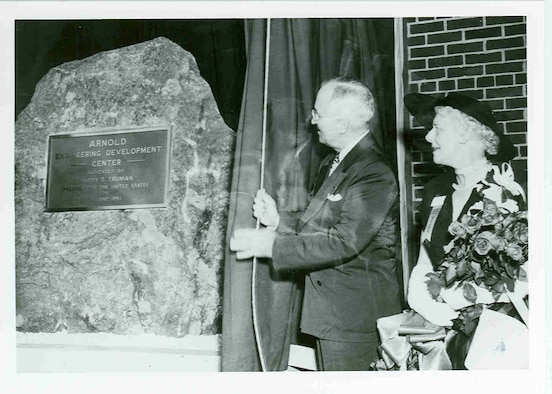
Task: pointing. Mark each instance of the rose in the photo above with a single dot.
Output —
(489, 220)
(490, 214)
(515, 252)
(482, 243)
(489, 207)
(498, 243)
(508, 235)
(471, 223)
(520, 232)
(457, 229)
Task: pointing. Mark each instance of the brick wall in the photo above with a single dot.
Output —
(484, 57)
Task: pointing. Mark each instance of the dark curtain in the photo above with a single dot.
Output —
(216, 44)
(303, 53)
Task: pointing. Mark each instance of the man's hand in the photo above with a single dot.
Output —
(264, 209)
(248, 242)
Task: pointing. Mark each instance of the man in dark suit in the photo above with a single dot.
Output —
(345, 240)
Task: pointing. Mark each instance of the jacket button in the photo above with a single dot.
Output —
(319, 283)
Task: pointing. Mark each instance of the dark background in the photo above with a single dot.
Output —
(217, 45)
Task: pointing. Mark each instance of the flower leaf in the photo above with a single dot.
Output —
(462, 269)
(434, 285)
(469, 292)
(450, 275)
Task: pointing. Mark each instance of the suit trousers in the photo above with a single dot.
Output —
(345, 356)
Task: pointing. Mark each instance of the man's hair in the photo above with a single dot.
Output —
(355, 99)
(488, 137)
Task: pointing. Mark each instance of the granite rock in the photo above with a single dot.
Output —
(132, 271)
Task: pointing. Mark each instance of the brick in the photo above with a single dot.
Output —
(504, 68)
(420, 144)
(476, 94)
(476, 46)
(429, 74)
(447, 85)
(466, 83)
(426, 27)
(463, 23)
(487, 57)
(521, 78)
(438, 38)
(484, 82)
(418, 64)
(516, 54)
(509, 115)
(519, 165)
(413, 88)
(505, 43)
(445, 61)
(453, 72)
(421, 19)
(428, 87)
(520, 138)
(502, 80)
(501, 20)
(515, 30)
(418, 193)
(516, 127)
(437, 50)
(516, 103)
(483, 33)
(513, 91)
(426, 168)
(495, 104)
(416, 40)
(522, 150)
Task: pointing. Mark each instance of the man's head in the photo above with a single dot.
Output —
(342, 111)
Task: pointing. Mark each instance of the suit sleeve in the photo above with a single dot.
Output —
(367, 202)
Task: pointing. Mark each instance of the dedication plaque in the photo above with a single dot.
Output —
(108, 170)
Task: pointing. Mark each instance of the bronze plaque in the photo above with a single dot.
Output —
(108, 170)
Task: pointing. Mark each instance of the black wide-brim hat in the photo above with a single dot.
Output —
(422, 107)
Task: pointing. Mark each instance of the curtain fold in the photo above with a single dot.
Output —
(303, 52)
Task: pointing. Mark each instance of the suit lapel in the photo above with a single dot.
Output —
(331, 184)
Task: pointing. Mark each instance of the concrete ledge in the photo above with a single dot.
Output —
(62, 352)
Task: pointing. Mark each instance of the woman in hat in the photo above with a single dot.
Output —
(465, 136)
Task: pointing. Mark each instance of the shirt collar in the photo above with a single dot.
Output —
(350, 147)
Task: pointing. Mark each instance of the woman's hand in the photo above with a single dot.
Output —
(420, 299)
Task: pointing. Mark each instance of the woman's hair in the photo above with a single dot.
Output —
(357, 102)
(488, 137)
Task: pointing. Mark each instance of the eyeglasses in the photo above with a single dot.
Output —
(317, 115)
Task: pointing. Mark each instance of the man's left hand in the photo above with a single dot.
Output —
(248, 242)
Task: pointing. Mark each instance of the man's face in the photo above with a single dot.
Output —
(325, 116)
(444, 138)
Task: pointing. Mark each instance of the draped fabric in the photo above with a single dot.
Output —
(303, 52)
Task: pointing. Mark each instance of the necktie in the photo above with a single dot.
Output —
(334, 165)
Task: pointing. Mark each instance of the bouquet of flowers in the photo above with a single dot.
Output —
(486, 258)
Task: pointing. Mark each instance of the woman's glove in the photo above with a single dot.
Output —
(420, 299)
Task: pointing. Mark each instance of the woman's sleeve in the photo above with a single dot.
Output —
(420, 299)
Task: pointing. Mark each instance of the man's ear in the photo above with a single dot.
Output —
(344, 126)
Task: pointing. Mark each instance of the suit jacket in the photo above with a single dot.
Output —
(345, 241)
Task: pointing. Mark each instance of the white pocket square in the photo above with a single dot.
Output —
(334, 197)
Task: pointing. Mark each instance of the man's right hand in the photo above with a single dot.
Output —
(264, 209)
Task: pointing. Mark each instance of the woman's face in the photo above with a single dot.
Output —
(444, 138)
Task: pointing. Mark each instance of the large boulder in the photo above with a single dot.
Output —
(130, 271)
